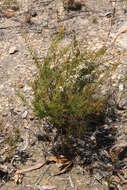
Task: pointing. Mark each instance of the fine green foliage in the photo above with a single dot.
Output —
(22, 97)
(95, 20)
(66, 88)
(12, 138)
(10, 4)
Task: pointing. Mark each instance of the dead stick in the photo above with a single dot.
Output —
(35, 167)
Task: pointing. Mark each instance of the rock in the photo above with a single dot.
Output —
(123, 102)
(18, 109)
(33, 13)
(47, 187)
(31, 115)
(1, 34)
(4, 114)
(24, 115)
(125, 186)
(121, 88)
(9, 13)
(13, 50)
(20, 84)
(93, 139)
(25, 123)
(27, 188)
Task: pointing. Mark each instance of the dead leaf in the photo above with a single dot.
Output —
(20, 84)
(18, 178)
(116, 150)
(57, 159)
(63, 163)
(114, 181)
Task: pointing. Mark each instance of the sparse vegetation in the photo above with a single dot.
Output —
(11, 139)
(22, 97)
(73, 112)
(95, 20)
(66, 88)
(10, 4)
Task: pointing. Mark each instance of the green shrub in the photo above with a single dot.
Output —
(10, 4)
(66, 88)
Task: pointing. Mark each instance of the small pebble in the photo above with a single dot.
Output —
(33, 13)
(1, 34)
(121, 88)
(9, 13)
(13, 50)
(25, 123)
(47, 187)
(24, 115)
(31, 115)
(93, 138)
(4, 114)
(27, 188)
(20, 84)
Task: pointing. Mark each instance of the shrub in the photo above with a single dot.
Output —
(66, 88)
(10, 4)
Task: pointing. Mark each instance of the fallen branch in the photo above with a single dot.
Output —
(35, 167)
(18, 176)
(65, 165)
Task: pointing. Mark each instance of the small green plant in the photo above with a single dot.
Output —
(66, 88)
(6, 4)
(22, 97)
(10, 4)
(11, 140)
(94, 20)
